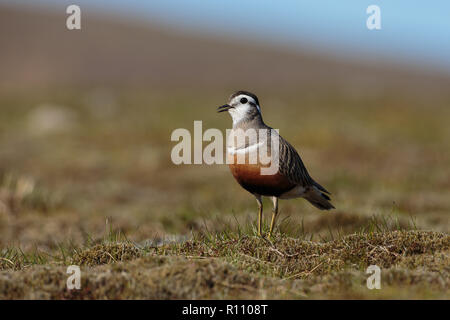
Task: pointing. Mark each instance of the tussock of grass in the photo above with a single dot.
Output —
(233, 266)
(106, 253)
(16, 259)
(145, 278)
(247, 267)
(288, 257)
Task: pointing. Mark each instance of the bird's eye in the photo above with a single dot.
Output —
(244, 100)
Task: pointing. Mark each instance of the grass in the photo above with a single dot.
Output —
(98, 189)
(239, 266)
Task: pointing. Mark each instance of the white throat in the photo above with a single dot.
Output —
(239, 113)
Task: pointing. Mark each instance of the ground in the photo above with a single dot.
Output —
(86, 179)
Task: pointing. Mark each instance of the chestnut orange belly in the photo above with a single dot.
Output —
(250, 178)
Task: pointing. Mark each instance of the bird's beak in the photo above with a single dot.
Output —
(223, 108)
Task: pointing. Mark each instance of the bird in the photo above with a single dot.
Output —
(291, 180)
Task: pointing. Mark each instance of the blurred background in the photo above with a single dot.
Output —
(86, 115)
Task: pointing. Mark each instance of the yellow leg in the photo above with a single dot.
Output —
(274, 215)
(260, 212)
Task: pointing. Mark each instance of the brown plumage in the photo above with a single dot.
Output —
(250, 178)
(291, 180)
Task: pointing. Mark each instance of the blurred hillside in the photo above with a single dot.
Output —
(37, 52)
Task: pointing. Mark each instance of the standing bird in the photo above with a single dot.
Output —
(291, 179)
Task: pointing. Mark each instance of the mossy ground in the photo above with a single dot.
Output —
(248, 267)
(96, 188)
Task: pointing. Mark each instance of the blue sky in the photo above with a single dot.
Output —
(414, 32)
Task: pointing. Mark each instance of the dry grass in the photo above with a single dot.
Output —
(245, 267)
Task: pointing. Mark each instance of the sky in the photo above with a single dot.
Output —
(412, 31)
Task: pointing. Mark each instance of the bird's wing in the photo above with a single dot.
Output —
(291, 166)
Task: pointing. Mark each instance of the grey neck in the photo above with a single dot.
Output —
(254, 121)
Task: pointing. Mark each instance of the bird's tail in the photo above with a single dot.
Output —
(318, 199)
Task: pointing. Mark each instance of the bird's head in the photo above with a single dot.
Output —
(242, 106)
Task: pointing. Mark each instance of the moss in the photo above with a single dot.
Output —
(413, 263)
(289, 257)
(145, 278)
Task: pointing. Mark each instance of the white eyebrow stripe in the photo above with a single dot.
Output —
(252, 147)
